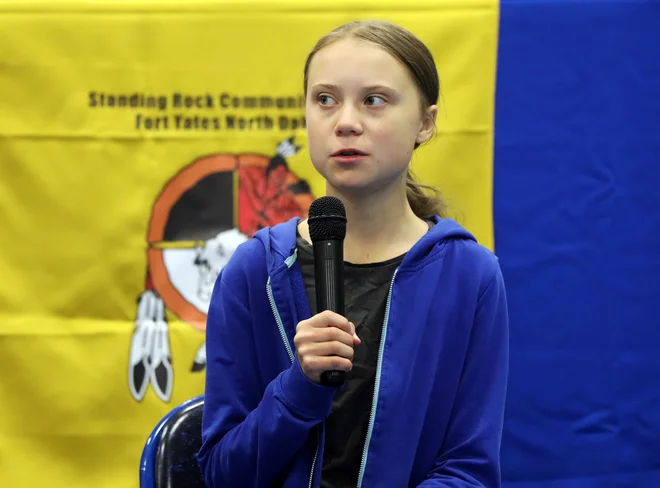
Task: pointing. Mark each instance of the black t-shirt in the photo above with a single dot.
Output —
(366, 288)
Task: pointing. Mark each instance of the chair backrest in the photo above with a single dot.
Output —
(169, 457)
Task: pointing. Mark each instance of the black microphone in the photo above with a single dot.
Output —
(327, 228)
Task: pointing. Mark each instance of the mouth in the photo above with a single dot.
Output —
(348, 153)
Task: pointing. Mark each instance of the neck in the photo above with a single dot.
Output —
(380, 225)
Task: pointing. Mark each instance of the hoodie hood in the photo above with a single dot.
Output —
(280, 242)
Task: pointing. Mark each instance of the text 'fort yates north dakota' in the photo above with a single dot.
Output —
(204, 112)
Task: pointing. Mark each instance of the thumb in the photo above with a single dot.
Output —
(356, 339)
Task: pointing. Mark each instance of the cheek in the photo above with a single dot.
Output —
(315, 120)
(313, 130)
(316, 141)
(395, 136)
(316, 148)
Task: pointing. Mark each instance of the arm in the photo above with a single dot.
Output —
(470, 455)
(250, 435)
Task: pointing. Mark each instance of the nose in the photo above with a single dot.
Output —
(349, 122)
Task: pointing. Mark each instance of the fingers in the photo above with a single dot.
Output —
(329, 348)
(330, 319)
(325, 334)
(313, 366)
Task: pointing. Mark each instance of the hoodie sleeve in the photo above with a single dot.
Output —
(250, 434)
(470, 455)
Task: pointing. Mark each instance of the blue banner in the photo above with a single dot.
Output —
(577, 230)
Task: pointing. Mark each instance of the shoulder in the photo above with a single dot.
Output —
(474, 256)
(245, 268)
(247, 255)
(457, 252)
(479, 264)
(261, 254)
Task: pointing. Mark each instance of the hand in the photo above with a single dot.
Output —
(325, 343)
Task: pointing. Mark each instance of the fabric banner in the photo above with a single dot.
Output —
(140, 144)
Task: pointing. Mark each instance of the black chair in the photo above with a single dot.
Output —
(169, 455)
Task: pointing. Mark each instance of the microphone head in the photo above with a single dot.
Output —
(327, 219)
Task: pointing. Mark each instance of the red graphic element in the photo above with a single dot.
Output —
(265, 198)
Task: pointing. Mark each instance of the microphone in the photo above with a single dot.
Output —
(327, 228)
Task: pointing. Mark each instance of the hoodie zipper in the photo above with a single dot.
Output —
(280, 325)
(372, 416)
(316, 455)
(278, 319)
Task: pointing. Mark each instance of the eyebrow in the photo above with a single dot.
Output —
(328, 86)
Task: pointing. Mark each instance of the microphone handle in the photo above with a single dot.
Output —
(329, 282)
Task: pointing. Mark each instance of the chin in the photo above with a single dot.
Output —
(346, 185)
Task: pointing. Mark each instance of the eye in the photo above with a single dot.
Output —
(374, 100)
(325, 100)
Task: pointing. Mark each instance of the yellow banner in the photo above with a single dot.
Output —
(140, 143)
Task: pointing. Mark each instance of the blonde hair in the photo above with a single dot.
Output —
(415, 56)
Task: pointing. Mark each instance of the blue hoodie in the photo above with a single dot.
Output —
(438, 405)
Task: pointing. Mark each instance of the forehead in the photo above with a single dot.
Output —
(356, 62)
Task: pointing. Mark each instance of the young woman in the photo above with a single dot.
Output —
(424, 339)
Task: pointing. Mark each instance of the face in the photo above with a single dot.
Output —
(361, 98)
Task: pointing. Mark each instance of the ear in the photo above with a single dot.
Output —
(428, 124)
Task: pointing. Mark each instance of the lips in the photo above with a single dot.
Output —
(347, 152)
